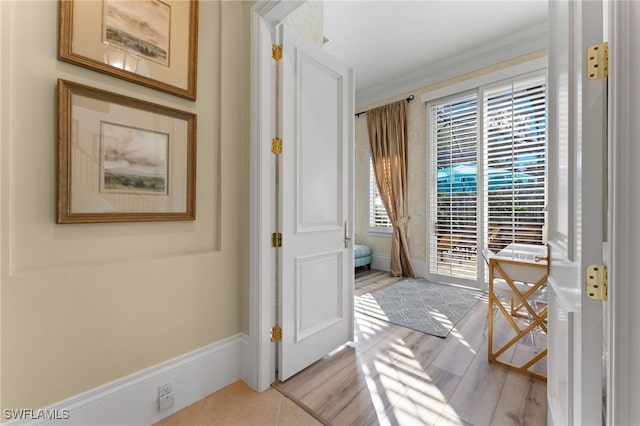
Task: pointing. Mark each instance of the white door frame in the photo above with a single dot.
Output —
(579, 240)
(264, 16)
(622, 367)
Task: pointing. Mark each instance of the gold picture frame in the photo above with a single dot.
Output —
(122, 159)
(149, 42)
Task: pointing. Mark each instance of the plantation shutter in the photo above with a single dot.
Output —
(378, 218)
(453, 201)
(515, 162)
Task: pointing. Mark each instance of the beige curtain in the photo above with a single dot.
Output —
(387, 127)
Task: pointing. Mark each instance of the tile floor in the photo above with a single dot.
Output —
(239, 405)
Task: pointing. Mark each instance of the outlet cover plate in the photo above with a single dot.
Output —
(165, 389)
(165, 402)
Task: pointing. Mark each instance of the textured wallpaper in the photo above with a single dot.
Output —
(308, 21)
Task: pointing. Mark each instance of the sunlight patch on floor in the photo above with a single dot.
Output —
(460, 338)
(401, 391)
(441, 318)
(371, 305)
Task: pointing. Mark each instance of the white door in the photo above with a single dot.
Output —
(316, 204)
(577, 214)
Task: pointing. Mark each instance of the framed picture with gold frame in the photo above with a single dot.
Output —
(150, 42)
(122, 159)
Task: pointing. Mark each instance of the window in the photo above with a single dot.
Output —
(515, 162)
(488, 166)
(454, 131)
(378, 219)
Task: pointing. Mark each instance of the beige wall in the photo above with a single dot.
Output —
(85, 304)
(417, 167)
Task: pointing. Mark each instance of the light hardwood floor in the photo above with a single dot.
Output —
(390, 375)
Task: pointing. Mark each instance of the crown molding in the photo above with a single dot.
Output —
(518, 44)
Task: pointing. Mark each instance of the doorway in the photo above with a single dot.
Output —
(286, 188)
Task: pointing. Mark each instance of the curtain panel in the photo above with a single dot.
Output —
(387, 126)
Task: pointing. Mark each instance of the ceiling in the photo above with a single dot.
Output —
(397, 46)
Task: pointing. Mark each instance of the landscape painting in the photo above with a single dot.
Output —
(141, 27)
(133, 160)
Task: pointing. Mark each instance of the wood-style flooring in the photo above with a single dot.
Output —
(392, 375)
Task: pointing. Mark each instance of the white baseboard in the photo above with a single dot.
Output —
(383, 263)
(419, 267)
(133, 400)
(247, 367)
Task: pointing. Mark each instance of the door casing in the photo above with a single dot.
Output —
(264, 17)
(623, 322)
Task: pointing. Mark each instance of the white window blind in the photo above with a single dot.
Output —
(515, 162)
(502, 127)
(454, 200)
(378, 219)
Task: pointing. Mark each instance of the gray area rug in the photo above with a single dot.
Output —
(421, 305)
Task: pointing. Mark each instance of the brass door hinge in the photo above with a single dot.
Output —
(276, 239)
(598, 61)
(597, 282)
(276, 333)
(276, 146)
(276, 52)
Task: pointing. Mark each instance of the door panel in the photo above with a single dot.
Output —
(560, 360)
(316, 204)
(319, 288)
(577, 178)
(318, 145)
(560, 161)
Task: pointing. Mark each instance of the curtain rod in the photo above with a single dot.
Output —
(409, 99)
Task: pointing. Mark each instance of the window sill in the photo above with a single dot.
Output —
(380, 232)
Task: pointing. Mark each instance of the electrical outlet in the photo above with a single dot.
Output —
(165, 389)
(165, 402)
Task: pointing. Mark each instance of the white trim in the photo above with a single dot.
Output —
(380, 232)
(419, 267)
(381, 262)
(555, 406)
(247, 366)
(538, 64)
(518, 44)
(621, 366)
(261, 263)
(264, 15)
(133, 400)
